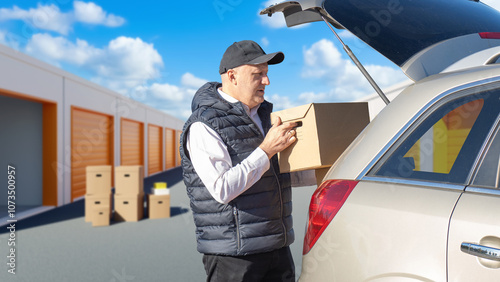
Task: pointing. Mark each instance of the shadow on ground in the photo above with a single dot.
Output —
(77, 209)
(172, 177)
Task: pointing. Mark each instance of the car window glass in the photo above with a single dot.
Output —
(438, 148)
(488, 174)
(445, 144)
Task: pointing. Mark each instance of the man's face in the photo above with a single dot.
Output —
(251, 81)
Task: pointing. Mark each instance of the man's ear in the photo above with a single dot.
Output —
(231, 76)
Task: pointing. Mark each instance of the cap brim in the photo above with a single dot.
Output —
(270, 59)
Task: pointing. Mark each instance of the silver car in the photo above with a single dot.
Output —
(416, 196)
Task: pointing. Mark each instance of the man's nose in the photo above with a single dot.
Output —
(265, 80)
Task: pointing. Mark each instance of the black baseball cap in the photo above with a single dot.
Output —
(247, 52)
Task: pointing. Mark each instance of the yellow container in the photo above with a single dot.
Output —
(160, 185)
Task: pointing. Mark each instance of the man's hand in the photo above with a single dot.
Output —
(279, 137)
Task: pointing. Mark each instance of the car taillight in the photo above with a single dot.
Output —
(325, 203)
(489, 35)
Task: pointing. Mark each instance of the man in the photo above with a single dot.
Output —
(241, 203)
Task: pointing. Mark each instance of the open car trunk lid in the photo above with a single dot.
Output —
(422, 37)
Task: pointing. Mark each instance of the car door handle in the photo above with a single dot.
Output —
(480, 251)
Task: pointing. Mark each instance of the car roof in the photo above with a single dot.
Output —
(423, 37)
(401, 111)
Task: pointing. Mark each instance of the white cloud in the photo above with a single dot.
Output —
(190, 80)
(264, 41)
(51, 18)
(92, 14)
(125, 62)
(173, 99)
(324, 62)
(311, 97)
(170, 98)
(129, 58)
(46, 17)
(167, 92)
(56, 49)
(3, 37)
(280, 102)
(321, 59)
(284, 102)
(10, 39)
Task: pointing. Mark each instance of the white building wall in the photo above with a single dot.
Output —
(22, 74)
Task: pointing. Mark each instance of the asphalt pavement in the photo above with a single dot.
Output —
(59, 246)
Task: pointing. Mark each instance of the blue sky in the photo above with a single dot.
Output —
(161, 52)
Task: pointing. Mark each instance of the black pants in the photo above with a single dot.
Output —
(272, 266)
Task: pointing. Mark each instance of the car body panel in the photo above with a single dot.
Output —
(392, 232)
(445, 57)
(474, 220)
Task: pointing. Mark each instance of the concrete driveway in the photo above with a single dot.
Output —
(59, 245)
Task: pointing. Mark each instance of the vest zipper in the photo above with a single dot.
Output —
(235, 212)
(281, 204)
(279, 188)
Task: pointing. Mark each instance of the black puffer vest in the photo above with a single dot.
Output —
(259, 220)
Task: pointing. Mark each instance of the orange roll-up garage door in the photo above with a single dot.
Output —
(155, 144)
(91, 144)
(132, 142)
(169, 148)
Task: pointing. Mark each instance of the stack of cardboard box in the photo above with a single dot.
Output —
(98, 195)
(129, 193)
(159, 201)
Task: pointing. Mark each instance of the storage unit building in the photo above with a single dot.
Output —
(53, 124)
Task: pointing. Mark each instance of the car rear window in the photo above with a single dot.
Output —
(445, 142)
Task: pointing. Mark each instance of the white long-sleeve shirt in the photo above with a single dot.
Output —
(212, 162)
